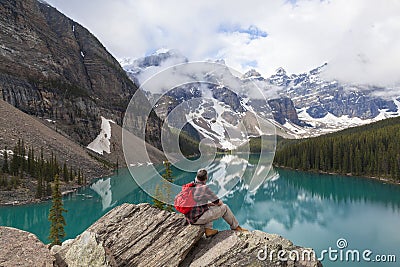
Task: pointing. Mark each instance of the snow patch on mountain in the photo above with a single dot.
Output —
(216, 127)
(102, 142)
(297, 130)
(331, 123)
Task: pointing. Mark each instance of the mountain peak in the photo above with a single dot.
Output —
(162, 51)
(280, 71)
(251, 74)
(318, 69)
(220, 61)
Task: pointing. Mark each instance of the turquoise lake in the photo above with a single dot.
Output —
(312, 210)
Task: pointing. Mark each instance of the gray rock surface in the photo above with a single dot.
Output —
(141, 235)
(282, 109)
(85, 250)
(231, 248)
(20, 248)
(134, 235)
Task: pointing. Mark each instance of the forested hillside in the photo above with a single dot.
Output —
(370, 150)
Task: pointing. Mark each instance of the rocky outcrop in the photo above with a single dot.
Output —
(229, 248)
(20, 248)
(52, 67)
(283, 109)
(135, 235)
(85, 250)
(141, 235)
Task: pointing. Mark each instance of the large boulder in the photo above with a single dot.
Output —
(132, 235)
(85, 250)
(20, 248)
(141, 235)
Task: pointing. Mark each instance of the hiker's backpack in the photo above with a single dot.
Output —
(184, 201)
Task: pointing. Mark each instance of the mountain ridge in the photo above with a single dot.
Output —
(52, 67)
(302, 105)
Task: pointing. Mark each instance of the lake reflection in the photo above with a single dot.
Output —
(311, 210)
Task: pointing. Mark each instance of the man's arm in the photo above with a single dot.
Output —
(203, 194)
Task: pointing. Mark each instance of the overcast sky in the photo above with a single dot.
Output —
(360, 39)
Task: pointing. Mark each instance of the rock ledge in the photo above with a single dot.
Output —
(141, 235)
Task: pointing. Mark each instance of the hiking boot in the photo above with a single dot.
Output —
(211, 232)
(240, 229)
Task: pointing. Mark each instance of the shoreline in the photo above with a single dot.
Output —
(39, 200)
(71, 190)
(378, 179)
(76, 187)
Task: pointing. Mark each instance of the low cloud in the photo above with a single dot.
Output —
(360, 38)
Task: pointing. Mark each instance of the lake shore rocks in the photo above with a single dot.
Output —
(20, 248)
(142, 235)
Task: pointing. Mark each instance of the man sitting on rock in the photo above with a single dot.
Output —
(209, 208)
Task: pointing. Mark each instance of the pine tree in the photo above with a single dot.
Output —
(5, 168)
(48, 188)
(20, 177)
(39, 187)
(2, 180)
(158, 195)
(14, 165)
(14, 182)
(71, 174)
(22, 156)
(166, 188)
(56, 218)
(5, 181)
(79, 177)
(29, 163)
(33, 162)
(65, 172)
(168, 177)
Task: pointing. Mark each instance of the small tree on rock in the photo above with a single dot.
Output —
(164, 192)
(56, 217)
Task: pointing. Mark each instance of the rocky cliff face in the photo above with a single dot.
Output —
(320, 97)
(51, 66)
(141, 235)
(282, 109)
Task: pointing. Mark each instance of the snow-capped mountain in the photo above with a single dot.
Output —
(299, 105)
(329, 106)
(143, 68)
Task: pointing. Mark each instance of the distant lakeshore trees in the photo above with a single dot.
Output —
(372, 150)
(22, 163)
